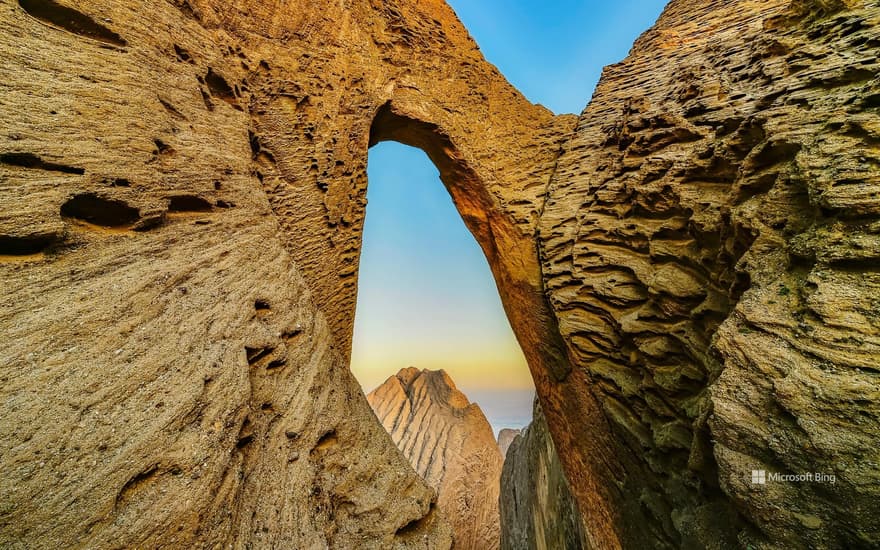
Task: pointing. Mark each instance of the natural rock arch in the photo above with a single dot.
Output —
(512, 255)
(514, 260)
(181, 378)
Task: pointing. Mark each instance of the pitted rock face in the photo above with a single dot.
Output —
(690, 268)
(710, 249)
(183, 197)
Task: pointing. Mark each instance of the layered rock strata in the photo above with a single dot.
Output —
(710, 247)
(538, 511)
(450, 444)
(690, 267)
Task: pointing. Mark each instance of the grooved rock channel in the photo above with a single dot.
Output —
(450, 444)
(691, 267)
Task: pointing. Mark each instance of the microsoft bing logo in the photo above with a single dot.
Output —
(759, 477)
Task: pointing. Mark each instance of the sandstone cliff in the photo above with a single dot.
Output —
(711, 243)
(538, 511)
(690, 266)
(450, 443)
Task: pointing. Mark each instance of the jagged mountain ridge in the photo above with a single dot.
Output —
(451, 445)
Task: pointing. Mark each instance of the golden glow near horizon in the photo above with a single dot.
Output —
(426, 296)
(472, 361)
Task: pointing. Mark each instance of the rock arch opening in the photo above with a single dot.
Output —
(580, 429)
(432, 344)
(511, 255)
(513, 259)
(426, 297)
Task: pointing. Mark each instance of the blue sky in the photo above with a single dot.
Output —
(426, 297)
(553, 51)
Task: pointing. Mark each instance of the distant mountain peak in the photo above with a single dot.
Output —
(434, 385)
(450, 444)
(505, 438)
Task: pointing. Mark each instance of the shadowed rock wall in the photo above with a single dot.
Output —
(709, 245)
(692, 279)
(538, 510)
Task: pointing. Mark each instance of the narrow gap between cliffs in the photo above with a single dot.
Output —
(431, 339)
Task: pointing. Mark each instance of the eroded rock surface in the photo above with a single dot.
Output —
(450, 443)
(710, 247)
(505, 438)
(690, 266)
(538, 511)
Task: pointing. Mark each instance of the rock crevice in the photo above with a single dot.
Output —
(690, 267)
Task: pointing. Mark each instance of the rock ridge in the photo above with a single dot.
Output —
(451, 445)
